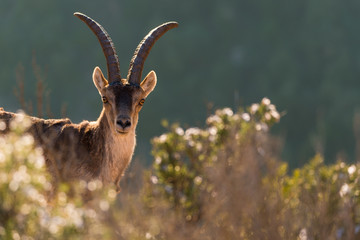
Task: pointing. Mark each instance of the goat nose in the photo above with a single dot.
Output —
(124, 122)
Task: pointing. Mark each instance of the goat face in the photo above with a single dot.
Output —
(122, 101)
(123, 98)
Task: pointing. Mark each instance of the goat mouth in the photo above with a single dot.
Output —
(122, 131)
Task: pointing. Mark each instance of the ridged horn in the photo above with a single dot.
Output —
(107, 46)
(143, 50)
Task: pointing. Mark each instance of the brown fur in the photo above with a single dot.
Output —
(91, 150)
(104, 148)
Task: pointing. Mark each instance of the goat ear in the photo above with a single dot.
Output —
(149, 83)
(99, 79)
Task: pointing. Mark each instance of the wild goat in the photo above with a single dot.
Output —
(100, 149)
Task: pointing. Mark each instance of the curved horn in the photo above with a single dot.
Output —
(143, 50)
(107, 46)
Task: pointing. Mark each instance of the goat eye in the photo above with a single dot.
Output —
(104, 99)
(141, 102)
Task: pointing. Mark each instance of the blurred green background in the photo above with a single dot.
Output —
(304, 55)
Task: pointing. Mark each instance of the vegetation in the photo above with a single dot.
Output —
(304, 56)
(28, 209)
(223, 181)
(231, 178)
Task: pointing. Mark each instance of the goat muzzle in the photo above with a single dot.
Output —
(123, 124)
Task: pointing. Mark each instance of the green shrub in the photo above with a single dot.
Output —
(26, 210)
(223, 181)
(226, 181)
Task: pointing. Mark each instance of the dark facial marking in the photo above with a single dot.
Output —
(124, 96)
